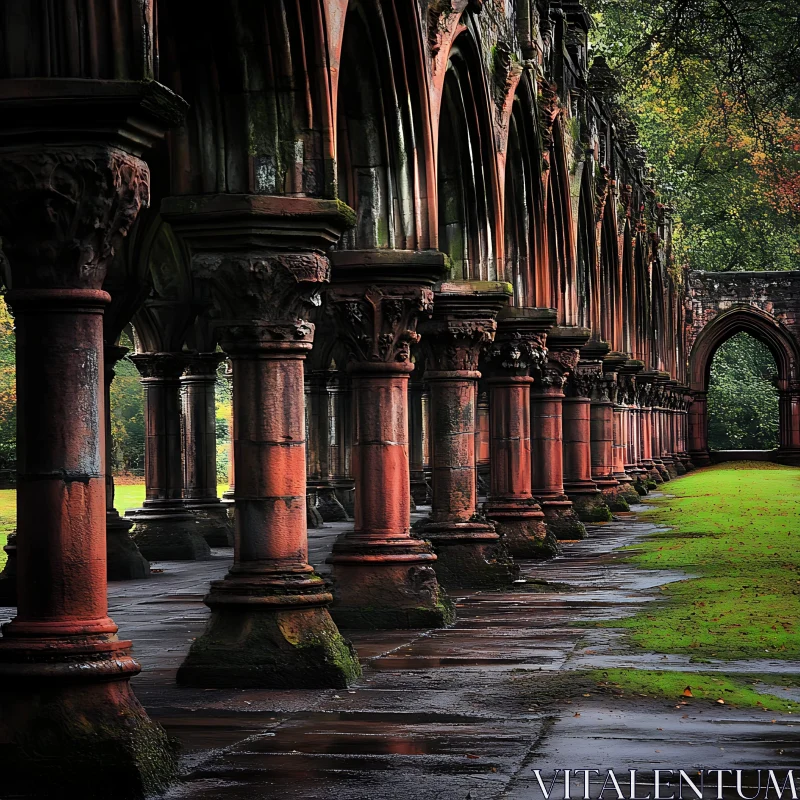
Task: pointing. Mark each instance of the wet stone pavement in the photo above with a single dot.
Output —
(448, 714)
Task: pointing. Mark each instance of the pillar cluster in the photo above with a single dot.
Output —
(446, 330)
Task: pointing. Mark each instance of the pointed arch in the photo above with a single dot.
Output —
(466, 168)
(383, 143)
(522, 211)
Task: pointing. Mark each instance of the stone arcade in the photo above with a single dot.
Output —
(428, 218)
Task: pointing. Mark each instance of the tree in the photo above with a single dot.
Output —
(713, 89)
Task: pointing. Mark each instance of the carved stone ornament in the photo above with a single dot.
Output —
(583, 380)
(159, 366)
(517, 352)
(379, 323)
(64, 210)
(274, 292)
(457, 344)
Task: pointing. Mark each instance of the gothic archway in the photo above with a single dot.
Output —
(765, 328)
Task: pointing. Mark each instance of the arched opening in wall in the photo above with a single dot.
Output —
(559, 236)
(259, 117)
(642, 305)
(743, 407)
(380, 137)
(466, 196)
(587, 287)
(522, 199)
(617, 292)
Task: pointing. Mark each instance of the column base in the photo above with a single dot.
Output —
(688, 465)
(214, 523)
(168, 534)
(561, 519)
(627, 490)
(313, 517)
(662, 471)
(420, 492)
(669, 466)
(270, 632)
(387, 583)
(124, 561)
(8, 577)
(700, 458)
(70, 724)
(521, 526)
(468, 554)
(589, 504)
(329, 507)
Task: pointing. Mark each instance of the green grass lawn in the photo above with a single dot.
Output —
(124, 497)
(735, 527)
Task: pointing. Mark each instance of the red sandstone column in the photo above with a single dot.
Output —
(482, 457)
(263, 260)
(199, 413)
(581, 489)
(626, 387)
(383, 577)
(69, 721)
(547, 465)
(164, 530)
(469, 551)
(419, 487)
(124, 561)
(518, 346)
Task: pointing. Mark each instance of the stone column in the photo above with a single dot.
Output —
(468, 548)
(420, 491)
(263, 260)
(341, 413)
(616, 367)
(199, 412)
(383, 577)
(70, 724)
(229, 494)
(482, 458)
(124, 561)
(547, 453)
(518, 347)
(164, 530)
(684, 402)
(646, 393)
(660, 457)
(321, 429)
(582, 490)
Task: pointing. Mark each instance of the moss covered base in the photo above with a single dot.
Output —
(389, 593)
(590, 507)
(249, 647)
(563, 523)
(91, 741)
(527, 538)
(474, 565)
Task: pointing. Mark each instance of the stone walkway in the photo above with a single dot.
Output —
(451, 714)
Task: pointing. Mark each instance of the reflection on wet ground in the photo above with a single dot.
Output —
(440, 714)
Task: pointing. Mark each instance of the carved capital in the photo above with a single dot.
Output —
(378, 322)
(155, 367)
(582, 382)
(64, 211)
(517, 352)
(456, 344)
(275, 291)
(203, 365)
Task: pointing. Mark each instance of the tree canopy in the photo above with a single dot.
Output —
(713, 89)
